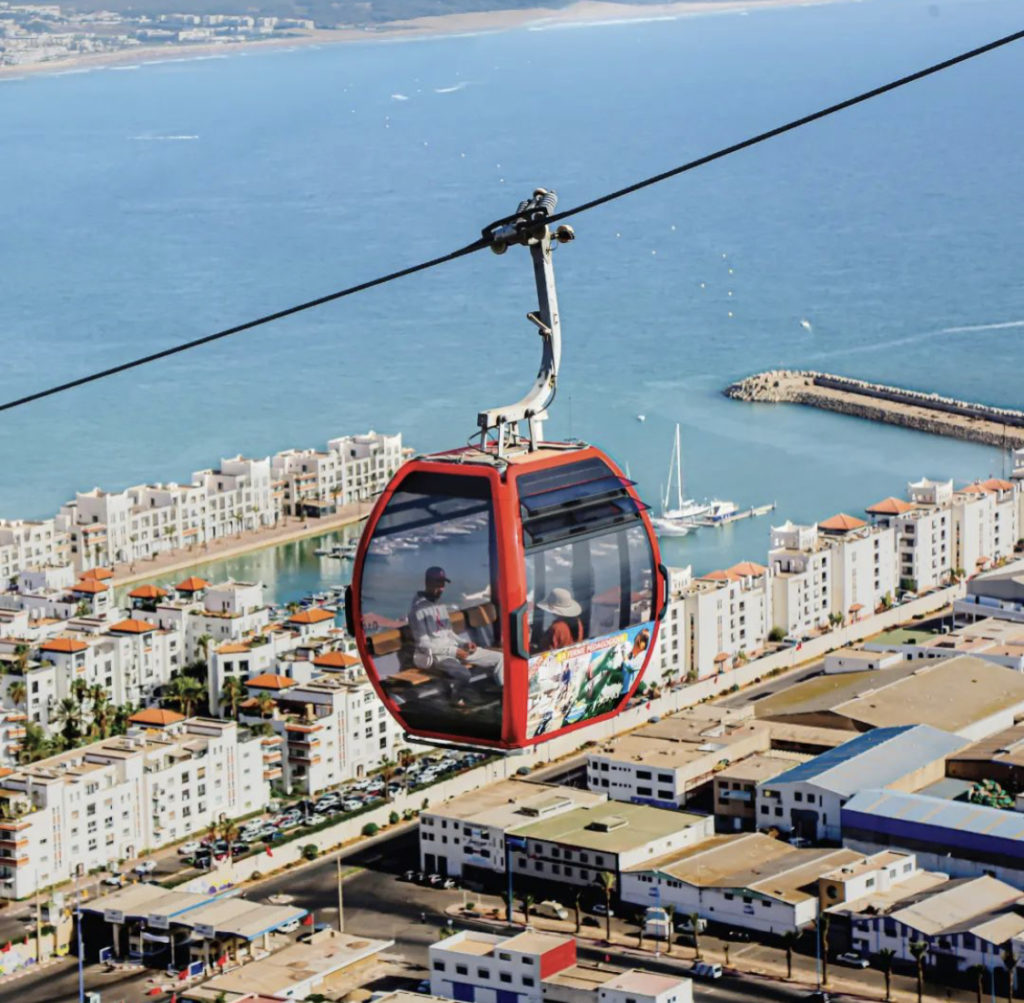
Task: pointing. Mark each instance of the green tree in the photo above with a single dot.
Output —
(387, 771)
(21, 658)
(80, 690)
(1010, 962)
(35, 745)
(606, 882)
(576, 909)
(776, 634)
(310, 851)
(69, 717)
(183, 692)
(670, 911)
(371, 829)
(978, 971)
(102, 712)
(695, 927)
(265, 704)
(789, 940)
(885, 960)
(18, 693)
(232, 694)
(528, 903)
(919, 950)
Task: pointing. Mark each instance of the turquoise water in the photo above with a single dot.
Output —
(147, 206)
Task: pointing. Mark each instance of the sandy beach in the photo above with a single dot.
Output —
(593, 11)
(287, 529)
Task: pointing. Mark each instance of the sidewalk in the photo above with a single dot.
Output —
(752, 959)
(287, 529)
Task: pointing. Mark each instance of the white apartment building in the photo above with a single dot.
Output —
(985, 524)
(924, 532)
(801, 578)
(637, 986)
(863, 565)
(334, 728)
(165, 780)
(368, 463)
(307, 480)
(465, 837)
(238, 496)
(29, 543)
(487, 968)
(726, 618)
(668, 660)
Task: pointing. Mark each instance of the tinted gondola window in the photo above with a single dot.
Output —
(428, 606)
(589, 575)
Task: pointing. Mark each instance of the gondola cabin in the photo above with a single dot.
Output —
(503, 600)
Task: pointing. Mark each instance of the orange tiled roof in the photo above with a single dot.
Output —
(132, 626)
(314, 615)
(975, 489)
(232, 648)
(336, 660)
(716, 576)
(747, 568)
(90, 587)
(156, 715)
(192, 584)
(889, 506)
(270, 681)
(841, 523)
(997, 484)
(98, 574)
(66, 645)
(147, 592)
(722, 656)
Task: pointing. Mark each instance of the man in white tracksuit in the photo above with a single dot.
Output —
(436, 644)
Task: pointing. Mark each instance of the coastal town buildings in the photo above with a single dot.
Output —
(802, 577)
(166, 779)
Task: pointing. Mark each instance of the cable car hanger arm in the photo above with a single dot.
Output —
(529, 227)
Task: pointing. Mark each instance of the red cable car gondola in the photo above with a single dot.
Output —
(508, 591)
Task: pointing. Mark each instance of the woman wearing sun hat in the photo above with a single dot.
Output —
(567, 628)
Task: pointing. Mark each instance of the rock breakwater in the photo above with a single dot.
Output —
(931, 413)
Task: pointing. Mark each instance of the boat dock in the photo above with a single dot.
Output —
(993, 426)
(745, 513)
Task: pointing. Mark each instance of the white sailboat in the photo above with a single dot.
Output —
(679, 520)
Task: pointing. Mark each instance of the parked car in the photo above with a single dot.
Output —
(351, 805)
(853, 960)
(290, 927)
(423, 986)
(409, 875)
(449, 883)
(114, 880)
(600, 909)
(800, 842)
(551, 909)
(706, 970)
(145, 867)
(684, 925)
(818, 996)
(435, 880)
(186, 849)
(737, 933)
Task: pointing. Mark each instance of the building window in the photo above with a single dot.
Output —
(798, 796)
(528, 980)
(438, 966)
(505, 976)
(461, 970)
(483, 973)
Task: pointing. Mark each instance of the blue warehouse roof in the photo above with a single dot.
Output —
(947, 825)
(874, 759)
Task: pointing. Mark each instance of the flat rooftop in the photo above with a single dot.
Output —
(614, 827)
(529, 942)
(643, 983)
(762, 766)
(588, 977)
(138, 900)
(298, 962)
(510, 803)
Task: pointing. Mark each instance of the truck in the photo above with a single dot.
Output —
(657, 923)
(551, 909)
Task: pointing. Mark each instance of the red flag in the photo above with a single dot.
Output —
(269, 853)
(222, 960)
(800, 645)
(6, 947)
(307, 920)
(183, 974)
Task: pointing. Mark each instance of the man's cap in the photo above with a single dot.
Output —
(436, 574)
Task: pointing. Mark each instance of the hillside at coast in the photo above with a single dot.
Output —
(326, 13)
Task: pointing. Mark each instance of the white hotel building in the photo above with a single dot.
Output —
(802, 575)
(88, 808)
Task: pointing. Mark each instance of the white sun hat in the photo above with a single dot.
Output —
(561, 603)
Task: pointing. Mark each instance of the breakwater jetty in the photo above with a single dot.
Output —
(993, 426)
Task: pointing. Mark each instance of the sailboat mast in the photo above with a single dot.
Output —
(679, 472)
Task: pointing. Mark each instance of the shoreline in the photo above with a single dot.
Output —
(288, 530)
(439, 26)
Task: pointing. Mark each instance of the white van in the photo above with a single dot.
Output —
(706, 970)
(551, 909)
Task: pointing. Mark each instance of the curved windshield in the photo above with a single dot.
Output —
(428, 605)
(589, 576)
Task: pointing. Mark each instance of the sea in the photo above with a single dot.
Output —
(144, 205)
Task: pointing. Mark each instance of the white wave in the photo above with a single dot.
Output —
(134, 66)
(163, 139)
(399, 97)
(609, 23)
(1001, 326)
(451, 90)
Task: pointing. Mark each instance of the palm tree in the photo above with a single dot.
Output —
(528, 903)
(228, 832)
(695, 927)
(184, 692)
(122, 713)
(885, 959)
(80, 690)
(232, 694)
(387, 771)
(789, 939)
(69, 716)
(826, 922)
(978, 971)
(102, 712)
(21, 653)
(670, 911)
(35, 745)
(406, 757)
(606, 882)
(203, 642)
(1010, 961)
(576, 908)
(18, 693)
(919, 949)
(265, 704)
